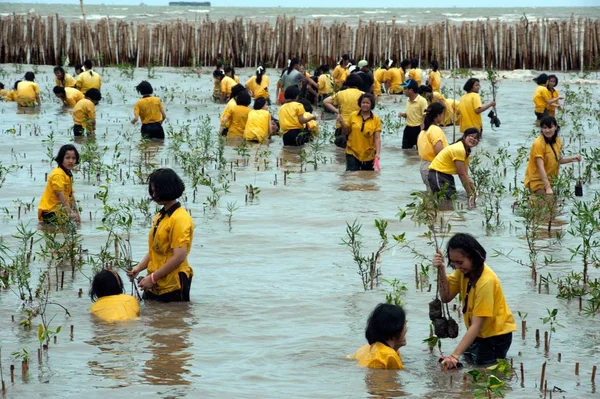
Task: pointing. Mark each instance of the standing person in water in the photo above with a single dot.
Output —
(217, 84)
(346, 102)
(28, 92)
(58, 200)
(541, 95)
(259, 84)
(84, 113)
(435, 77)
(394, 77)
(364, 135)
(88, 79)
(470, 107)
(432, 139)
(414, 114)
(63, 79)
(169, 275)
(110, 303)
(260, 125)
(340, 72)
(229, 71)
(545, 157)
(325, 82)
(415, 73)
(225, 83)
(553, 101)
(488, 318)
(150, 109)
(235, 118)
(68, 95)
(293, 119)
(293, 77)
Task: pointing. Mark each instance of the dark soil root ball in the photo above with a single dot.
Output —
(452, 328)
(440, 327)
(435, 310)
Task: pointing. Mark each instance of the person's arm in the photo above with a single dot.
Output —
(377, 140)
(179, 255)
(328, 103)
(463, 174)
(135, 119)
(223, 124)
(575, 158)
(345, 128)
(143, 265)
(302, 119)
(312, 83)
(543, 175)
(63, 200)
(37, 98)
(438, 147)
(443, 283)
(465, 342)
(75, 209)
(485, 107)
(163, 113)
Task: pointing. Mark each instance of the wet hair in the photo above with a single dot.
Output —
(260, 103)
(16, 84)
(168, 186)
(217, 73)
(324, 68)
(468, 132)
(260, 71)
(555, 78)
(434, 66)
(470, 248)
(542, 79)
(433, 111)
(61, 70)
(385, 322)
(237, 89)
(88, 65)
(59, 90)
(306, 104)
(1, 86)
(229, 69)
(370, 96)
(469, 84)
(105, 283)
(353, 80)
(144, 88)
(30, 76)
(60, 157)
(93, 94)
(404, 64)
(219, 64)
(549, 121)
(293, 62)
(78, 67)
(243, 98)
(291, 93)
(414, 63)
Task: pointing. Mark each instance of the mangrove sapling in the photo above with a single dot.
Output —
(231, 207)
(486, 386)
(4, 172)
(593, 302)
(20, 268)
(251, 192)
(396, 295)
(517, 160)
(317, 144)
(523, 317)
(585, 225)
(49, 141)
(552, 319)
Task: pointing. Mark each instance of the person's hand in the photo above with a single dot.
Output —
(493, 103)
(472, 201)
(132, 273)
(339, 118)
(146, 283)
(577, 158)
(76, 217)
(438, 259)
(549, 191)
(449, 363)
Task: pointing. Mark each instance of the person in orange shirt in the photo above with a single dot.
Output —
(385, 333)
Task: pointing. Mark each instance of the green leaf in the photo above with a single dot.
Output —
(58, 329)
(40, 333)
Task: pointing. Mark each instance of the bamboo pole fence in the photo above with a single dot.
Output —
(543, 44)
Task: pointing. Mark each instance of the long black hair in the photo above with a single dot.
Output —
(293, 62)
(549, 121)
(385, 322)
(470, 248)
(88, 65)
(432, 112)
(106, 282)
(260, 71)
(468, 132)
(469, 84)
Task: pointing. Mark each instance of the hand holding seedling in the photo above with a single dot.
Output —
(449, 363)
(438, 260)
(146, 283)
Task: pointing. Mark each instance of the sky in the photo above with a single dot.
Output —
(346, 3)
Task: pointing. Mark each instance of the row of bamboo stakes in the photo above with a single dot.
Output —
(569, 44)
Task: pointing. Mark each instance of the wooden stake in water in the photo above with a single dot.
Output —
(417, 276)
(543, 376)
(522, 376)
(559, 357)
(546, 342)
(594, 374)
(12, 373)
(537, 338)
(80, 293)
(523, 328)
(72, 332)
(577, 368)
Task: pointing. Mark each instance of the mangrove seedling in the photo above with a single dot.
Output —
(396, 295)
(551, 318)
(585, 225)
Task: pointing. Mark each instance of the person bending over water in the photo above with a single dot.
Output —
(110, 301)
(89, 79)
(259, 84)
(28, 92)
(63, 79)
(293, 119)
(150, 109)
(488, 318)
(260, 125)
(235, 118)
(68, 95)
(84, 113)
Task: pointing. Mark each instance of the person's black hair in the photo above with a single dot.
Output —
(60, 157)
(434, 66)
(306, 104)
(414, 62)
(470, 248)
(549, 121)
(61, 70)
(353, 80)
(542, 79)
(424, 89)
(59, 90)
(168, 186)
(404, 64)
(217, 73)
(260, 103)
(370, 96)
(94, 95)
(30, 76)
(555, 78)
(344, 57)
(237, 89)
(293, 62)
(78, 67)
(1, 86)
(433, 111)
(385, 322)
(105, 283)
(291, 93)
(243, 98)
(88, 65)
(469, 84)
(324, 68)
(219, 64)
(144, 88)
(16, 84)
(468, 132)
(260, 71)
(229, 69)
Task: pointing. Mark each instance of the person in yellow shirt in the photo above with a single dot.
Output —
(325, 82)
(58, 200)
(435, 77)
(84, 113)
(68, 95)
(235, 90)
(470, 107)
(88, 79)
(340, 72)
(379, 79)
(109, 301)
(260, 125)
(63, 79)
(230, 72)
(385, 334)
(312, 126)
(346, 102)
(553, 101)
(454, 160)
(545, 158)
(3, 92)
(487, 316)
(415, 73)
(78, 69)
(293, 119)
(225, 83)
(259, 85)
(394, 77)
(235, 118)
(414, 114)
(431, 140)
(169, 275)
(451, 115)
(12, 94)
(216, 96)
(28, 92)
(150, 109)
(541, 95)
(363, 129)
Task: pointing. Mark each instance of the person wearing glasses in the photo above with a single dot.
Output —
(488, 319)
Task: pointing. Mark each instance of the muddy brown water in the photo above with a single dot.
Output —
(276, 300)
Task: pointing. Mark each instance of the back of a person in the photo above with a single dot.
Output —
(435, 79)
(540, 97)
(288, 116)
(120, 307)
(83, 112)
(259, 89)
(468, 117)
(257, 125)
(148, 108)
(239, 117)
(68, 81)
(415, 74)
(427, 140)
(73, 96)
(26, 92)
(394, 75)
(379, 356)
(348, 102)
(226, 85)
(88, 80)
(325, 82)
(291, 79)
(444, 160)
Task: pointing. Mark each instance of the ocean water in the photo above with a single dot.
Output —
(154, 14)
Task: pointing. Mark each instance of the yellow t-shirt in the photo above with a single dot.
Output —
(540, 96)
(311, 126)
(396, 77)
(73, 96)
(415, 74)
(11, 96)
(226, 85)
(175, 230)
(84, 112)
(259, 90)
(288, 116)
(541, 149)
(435, 80)
(236, 79)
(486, 299)
(258, 125)
(237, 117)
(444, 160)
(88, 80)
(450, 112)
(116, 308)
(325, 83)
(415, 111)
(69, 81)
(148, 109)
(230, 105)
(552, 108)
(427, 141)
(58, 180)
(3, 94)
(339, 75)
(468, 117)
(378, 356)
(361, 141)
(378, 79)
(216, 89)
(26, 92)
(347, 102)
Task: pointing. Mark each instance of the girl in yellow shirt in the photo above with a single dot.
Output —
(259, 84)
(435, 77)
(488, 318)
(28, 92)
(234, 120)
(541, 95)
(432, 139)
(260, 126)
(62, 78)
(415, 72)
(340, 72)
(110, 303)
(293, 119)
(385, 334)
(470, 107)
(553, 101)
(151, 111)
(229, 71)
(89, 79)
